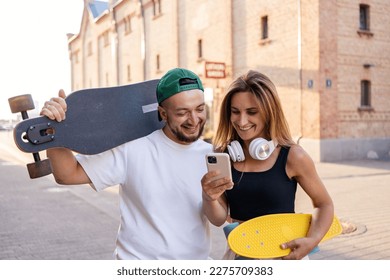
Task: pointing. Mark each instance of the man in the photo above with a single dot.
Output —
(158, 175)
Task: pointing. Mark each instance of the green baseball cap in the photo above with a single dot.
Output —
(175, 81)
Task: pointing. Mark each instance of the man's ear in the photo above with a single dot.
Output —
(162, 112)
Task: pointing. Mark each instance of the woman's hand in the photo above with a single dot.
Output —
(214, 203)
(213, 188)
(300, 248)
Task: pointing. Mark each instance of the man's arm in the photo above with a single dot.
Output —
(66, 169)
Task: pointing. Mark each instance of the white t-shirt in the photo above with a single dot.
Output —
(160, 196)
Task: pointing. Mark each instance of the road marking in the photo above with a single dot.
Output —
(7, 163)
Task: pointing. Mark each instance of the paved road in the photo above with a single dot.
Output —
(45, 221)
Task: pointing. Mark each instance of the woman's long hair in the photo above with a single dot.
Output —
(276, 126)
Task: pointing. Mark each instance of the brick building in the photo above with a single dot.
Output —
(329, 59)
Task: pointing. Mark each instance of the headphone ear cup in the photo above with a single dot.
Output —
(235, 151)
(261, 149)
(231, 153)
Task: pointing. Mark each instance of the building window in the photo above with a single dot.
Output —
(106, 38)
(76, 56)
(364, 23)
(200, 49)
(127, 22)
(365, 101)
(128, 73)
(158, 62)
(89, 48)
(156, 7)
(264, 27)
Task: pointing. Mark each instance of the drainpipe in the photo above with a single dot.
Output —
(300, 69)
(143, 40)
(232, 57)
(116, 45)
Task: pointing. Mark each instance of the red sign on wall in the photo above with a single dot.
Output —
(215, 70)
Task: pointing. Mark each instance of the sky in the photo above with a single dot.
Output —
(34, 51)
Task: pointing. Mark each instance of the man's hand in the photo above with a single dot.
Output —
(55, 108)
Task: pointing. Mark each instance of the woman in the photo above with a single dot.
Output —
(266, 164)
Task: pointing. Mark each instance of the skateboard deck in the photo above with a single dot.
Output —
(260, 238)
(97, 120)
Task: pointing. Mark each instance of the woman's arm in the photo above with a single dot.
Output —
(214, 201)
(301, 167)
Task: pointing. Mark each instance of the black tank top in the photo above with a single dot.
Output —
(262, 193)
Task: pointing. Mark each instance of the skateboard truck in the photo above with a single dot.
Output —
(40, 133)
(35, 134)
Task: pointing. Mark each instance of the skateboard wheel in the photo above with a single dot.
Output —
(21, 103)
(39, 169)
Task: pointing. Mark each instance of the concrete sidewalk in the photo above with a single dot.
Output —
(361, 193)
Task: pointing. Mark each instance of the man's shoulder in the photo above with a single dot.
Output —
(140, 142)
(205, 145)
(153, 135)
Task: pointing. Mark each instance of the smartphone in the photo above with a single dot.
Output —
(221, 162)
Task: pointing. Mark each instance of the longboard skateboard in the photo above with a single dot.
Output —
(97, 120)
(260, 238)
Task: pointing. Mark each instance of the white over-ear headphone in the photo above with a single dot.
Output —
(259, 148)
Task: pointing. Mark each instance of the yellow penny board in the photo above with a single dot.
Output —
(261, 237)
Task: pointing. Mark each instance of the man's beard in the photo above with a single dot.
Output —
(182, 137)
